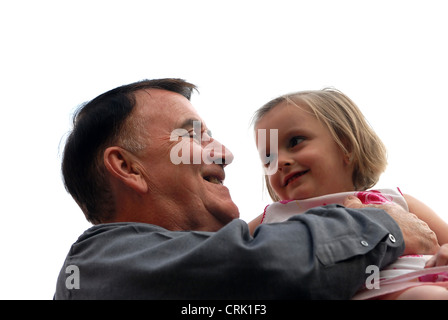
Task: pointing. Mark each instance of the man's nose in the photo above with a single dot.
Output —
(218, 153)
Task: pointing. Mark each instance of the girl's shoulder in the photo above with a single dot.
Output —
(383, 196)
(283, 210)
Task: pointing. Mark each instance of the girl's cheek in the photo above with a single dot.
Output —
(274, 181)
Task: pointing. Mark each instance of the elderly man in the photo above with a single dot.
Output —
(168, 229)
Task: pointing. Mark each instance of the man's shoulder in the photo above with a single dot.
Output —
(131, 233)
(124, 227)
(115, 231)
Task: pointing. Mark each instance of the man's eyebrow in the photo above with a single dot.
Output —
(188, 123)
(194, 123)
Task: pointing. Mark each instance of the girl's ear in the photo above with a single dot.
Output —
(123, 165)
(347, 151)
(348, 158)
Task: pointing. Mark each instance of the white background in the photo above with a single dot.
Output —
(389, 56)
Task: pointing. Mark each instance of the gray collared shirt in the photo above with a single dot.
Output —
(322, 254)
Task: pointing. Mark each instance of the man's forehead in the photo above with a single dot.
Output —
(157, 97)
(163, 104)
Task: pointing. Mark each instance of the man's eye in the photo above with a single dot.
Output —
(206, 135)
(192, 134)
(196, 136)
(295, 141)
(209, 133)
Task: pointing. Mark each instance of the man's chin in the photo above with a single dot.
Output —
(231, 212)
(225, 214)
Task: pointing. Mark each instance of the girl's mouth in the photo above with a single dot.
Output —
(294, 176)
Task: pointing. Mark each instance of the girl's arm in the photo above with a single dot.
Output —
(425, 213)
(440, 258)
(255, 223)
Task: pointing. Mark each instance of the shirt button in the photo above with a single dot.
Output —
(391, 238)
(364, 243)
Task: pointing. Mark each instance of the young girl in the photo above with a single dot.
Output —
(326, 151)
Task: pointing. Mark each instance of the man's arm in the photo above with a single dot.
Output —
(337, 245)
(322, 254)
(419, 238)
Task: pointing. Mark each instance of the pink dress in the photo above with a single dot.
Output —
(407, 271)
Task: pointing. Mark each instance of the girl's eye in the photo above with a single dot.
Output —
(295, 141)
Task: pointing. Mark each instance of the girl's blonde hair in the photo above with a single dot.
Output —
(347, 125)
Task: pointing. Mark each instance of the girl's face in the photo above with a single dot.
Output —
(309, 161)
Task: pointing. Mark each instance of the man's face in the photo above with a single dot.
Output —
(190, 193)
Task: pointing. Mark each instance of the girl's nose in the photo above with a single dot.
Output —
(284, 161)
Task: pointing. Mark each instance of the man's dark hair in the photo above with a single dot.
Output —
(97, 125)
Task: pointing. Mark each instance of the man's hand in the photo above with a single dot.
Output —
(418, 237)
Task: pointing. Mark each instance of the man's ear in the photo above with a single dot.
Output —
(123, 166)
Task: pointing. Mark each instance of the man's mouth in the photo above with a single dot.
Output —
(294, 177)
(213, 179)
